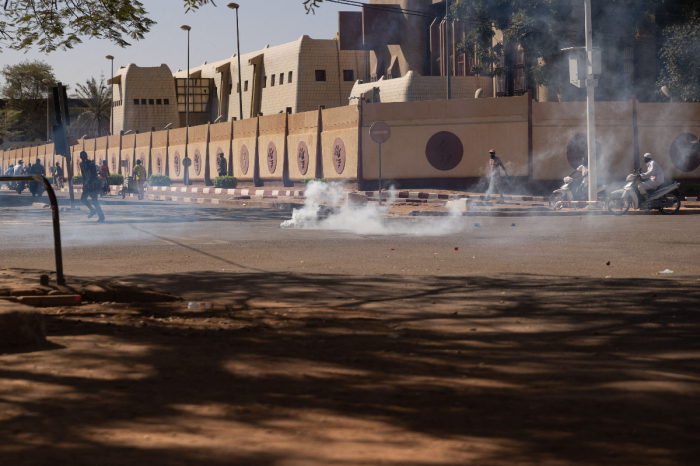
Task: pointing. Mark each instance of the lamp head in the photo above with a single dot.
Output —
(233, 6)
(185, 27)
(109, 57)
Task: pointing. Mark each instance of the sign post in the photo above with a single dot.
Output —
(380, 133)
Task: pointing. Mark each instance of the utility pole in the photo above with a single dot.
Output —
(447, 48)
(111, 112)
(591, 83)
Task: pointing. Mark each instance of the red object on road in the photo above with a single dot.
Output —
(456, 249)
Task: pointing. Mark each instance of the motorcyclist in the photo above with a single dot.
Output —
(36, 169)
(19, 168)
(653, 177)
(580, 176)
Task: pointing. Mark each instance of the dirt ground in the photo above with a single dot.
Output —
(300, 369)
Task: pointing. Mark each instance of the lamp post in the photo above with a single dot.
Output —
(185, 27)
(48, 134)
(447, 47)
(111, 111)
(234, 6)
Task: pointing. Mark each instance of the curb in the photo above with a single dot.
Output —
(541, 213)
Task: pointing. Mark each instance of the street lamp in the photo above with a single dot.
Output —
(185, 27)
(47, 82)
(234, 6)
(111, 112)
(447, 47)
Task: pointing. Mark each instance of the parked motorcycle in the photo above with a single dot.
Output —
(665, 198)
(569, 193)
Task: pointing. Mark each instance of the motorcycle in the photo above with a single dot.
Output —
(104, 186)
(18, 186)
(567, 193)
(665, 198)
(36, 188)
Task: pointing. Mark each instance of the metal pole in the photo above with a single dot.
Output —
(48, 130)
(240, 83)
(56, 224)
(380, 174)
(111, 113)
(590, 107)
(447, 48)
(187, 92)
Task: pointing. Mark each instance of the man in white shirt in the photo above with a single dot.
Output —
(19, 168)
(654, 176)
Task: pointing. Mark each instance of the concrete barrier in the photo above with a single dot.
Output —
(198, 140)
(340, 143)
(272, 149)
(177, 146)
(142, 151)
(128, 146)
(101, 150)
(244, 150)
(159, 153)
(220, 143)
(302, 146)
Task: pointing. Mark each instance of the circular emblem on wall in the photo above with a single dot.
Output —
(271, 157)
(244, 159)
(114, 163)
(176, 163)
(303, 158)
(142, 157)
(197, 161)
(338, 155)
(578, 149)
(685, 155)
(444, 150)
(159, 164)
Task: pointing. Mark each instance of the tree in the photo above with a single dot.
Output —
(97, 100)
(60, 24)
(681, 68)
(26, 94)
(9, 122)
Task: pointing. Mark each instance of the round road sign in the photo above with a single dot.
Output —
(380, 132)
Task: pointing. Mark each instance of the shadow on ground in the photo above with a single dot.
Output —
(499, 370)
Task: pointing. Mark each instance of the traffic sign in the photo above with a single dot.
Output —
(380, 132)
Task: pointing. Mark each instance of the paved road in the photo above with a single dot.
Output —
(176, 238)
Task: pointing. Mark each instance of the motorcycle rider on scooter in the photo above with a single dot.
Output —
(653, 177)
(35, 187)
(580, 176)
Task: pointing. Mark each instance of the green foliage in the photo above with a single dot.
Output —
(681, 68)
(60, 24)
(320, 180)
(693, 188)
(225, 182)
(97, 101)
(115, 179)
(78, 179)
(10, 129)
(159, 180)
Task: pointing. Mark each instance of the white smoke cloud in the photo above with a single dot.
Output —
(325, 209)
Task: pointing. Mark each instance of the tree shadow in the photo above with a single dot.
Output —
(546, 370)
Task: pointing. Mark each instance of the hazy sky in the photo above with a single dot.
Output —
(213, 36)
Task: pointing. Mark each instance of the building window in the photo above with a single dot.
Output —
(143, 101)
(136, 101)
(151, 102)
(158, 101)
(281, 78)
(320, 75)
(166, 101)
(245, 86)
(348, 75)
(238, 88)
(264, 82)
(198, 94)
(272, 82)
(289, 78)
(230, 87)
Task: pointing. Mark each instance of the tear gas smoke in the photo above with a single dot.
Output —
(322, 198)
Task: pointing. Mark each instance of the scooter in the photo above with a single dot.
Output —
(104, 186)
(36, 188)
(566, 193)
(665, 198)
(18, 186)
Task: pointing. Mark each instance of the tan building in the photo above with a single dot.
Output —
(143, 98)
(297, 77)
